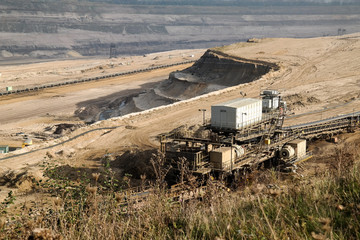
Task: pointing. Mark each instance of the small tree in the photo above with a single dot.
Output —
(158, 163)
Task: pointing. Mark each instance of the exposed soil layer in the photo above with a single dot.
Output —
(60, 29)
(210, 73)
(135, 162)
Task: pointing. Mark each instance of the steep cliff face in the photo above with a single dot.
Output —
(214, 68)
(210, 73)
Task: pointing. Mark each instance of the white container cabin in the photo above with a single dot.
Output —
(237, 113)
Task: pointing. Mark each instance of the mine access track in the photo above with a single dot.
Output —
(52, 85)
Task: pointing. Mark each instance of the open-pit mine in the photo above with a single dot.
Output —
(123, 109)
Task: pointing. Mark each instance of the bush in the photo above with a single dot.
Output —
(324, 208)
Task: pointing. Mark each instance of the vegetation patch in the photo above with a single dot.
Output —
(98, 206)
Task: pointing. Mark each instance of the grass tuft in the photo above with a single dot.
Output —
(327, 207)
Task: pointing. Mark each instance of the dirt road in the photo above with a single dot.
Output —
(64, 100)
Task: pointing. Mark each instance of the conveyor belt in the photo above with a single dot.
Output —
(349, 116)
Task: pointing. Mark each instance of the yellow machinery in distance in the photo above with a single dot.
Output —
(27, 142)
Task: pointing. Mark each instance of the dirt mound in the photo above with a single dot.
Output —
(297, 101)
(5, 54)
(64, 128)
(151, 99)
(87, 113)
(135, 162)
(73, 53)
(20, 179)
(182, 89)
(312, 100)
(212, 68)
(66, 152)
(107, 109)
(197, 131)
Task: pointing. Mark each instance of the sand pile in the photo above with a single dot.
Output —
(22, 180)
(151, 99)
(135, 162)
(298, 101)
(197, 131)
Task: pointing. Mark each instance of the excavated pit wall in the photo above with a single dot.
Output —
(212, 72)
(220, 69)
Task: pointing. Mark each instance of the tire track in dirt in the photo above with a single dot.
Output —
(58, 144)
(310, 66)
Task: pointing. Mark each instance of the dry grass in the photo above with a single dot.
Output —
(327, 207)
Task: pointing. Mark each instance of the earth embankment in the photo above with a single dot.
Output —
(212, 72)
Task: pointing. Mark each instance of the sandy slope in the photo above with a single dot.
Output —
(314, 73)
(33, 111)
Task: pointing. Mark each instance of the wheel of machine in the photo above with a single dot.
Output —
(239, 150)
(287, 152)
